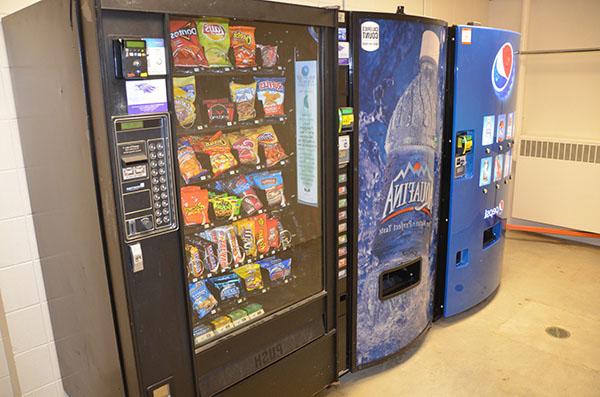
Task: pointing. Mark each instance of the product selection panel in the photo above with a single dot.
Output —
(144, 167)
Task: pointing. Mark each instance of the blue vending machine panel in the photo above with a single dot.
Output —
(399, 71)
(484, 80)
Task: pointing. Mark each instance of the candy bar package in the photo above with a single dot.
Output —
(277, 269)
(254, 310)
(218, 150)
(222, 324)
(203, 332)
(267, 138)
(184, 97)
(214, 38)
(245, 229)
(189, 166)
(273, 233)
(208, 253)
(238, 317)
(202, 300)
(220, 111)
(271, 91)
(187, 51)
(194, 205)
(243, 96)
(218, 236)
(272, 184)
(246, 145)
(226, 287)
(268, 54)
(262, 239)
(251, 276)
(244, 46)
(238, 254)
(195, 265)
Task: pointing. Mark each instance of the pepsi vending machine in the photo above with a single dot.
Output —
(480, 125)
(397, 77)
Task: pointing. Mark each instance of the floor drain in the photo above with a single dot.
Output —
(558, 332)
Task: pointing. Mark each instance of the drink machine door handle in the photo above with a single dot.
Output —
(137, 258)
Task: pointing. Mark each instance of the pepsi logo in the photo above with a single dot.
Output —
(497, 210)
(503, 71)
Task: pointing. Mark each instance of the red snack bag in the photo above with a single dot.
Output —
(244, 45)
(186, 48)
(194, 205)
(246, 146)
(269, 55)
(273, 233)
(220, 111)
(218, 150)
(262, 238)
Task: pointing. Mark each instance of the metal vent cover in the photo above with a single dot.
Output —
(578, 152)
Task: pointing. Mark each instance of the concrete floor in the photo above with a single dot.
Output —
(501, 347)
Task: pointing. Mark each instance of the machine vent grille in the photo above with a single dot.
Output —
(579, 152)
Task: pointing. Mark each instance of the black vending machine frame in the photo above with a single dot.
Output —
(445, 179)
(150, 307)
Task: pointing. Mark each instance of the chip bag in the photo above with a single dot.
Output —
(189, 166)
(202, 300)
(267, 138)
(241, 187)
(268, 54)
(214, 38)
(194, 205)
(244, 45)
(187, 51)
(246, 145)
(184, 97)
(217, 148)
(243, 97)
(251, 276)
(220, 111)
(228, 286)
(271, 91)
(272, 184)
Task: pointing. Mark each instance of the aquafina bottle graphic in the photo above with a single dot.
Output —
(405, 223)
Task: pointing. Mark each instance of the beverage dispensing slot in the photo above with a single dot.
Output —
(492, 234)
(400, 279)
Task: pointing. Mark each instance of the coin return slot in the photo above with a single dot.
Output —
(400, 279)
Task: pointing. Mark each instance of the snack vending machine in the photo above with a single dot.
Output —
(479, 136)
(178, 156)
(396, 75)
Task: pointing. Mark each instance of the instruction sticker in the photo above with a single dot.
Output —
(157, 62)
(146, 96)
(465, 36)
(369, 34)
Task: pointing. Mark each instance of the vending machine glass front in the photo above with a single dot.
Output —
(247, 120)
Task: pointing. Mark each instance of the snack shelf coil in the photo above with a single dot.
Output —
(207, 129)
(229, 71)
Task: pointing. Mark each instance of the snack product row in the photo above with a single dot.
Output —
(240, 104)
(233, 198)
(226, 247)
(202, 156)
(206, 295)
(237, 317)
(206, 43)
